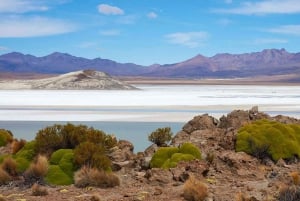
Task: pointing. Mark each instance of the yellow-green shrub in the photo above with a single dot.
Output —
(266, 138)
(57, 176)
(24, 156)
(64, 158)
(168, 157)
(5, 137)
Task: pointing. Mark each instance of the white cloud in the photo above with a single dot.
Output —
(21, 6)
(85, 45)
(265, 7)
(152, 15)
(3, 48)
(286, 29)
(228, 1)
(224, 22)
(109, 10)
(128, 19)
(188, 39)
(110, 32)
(17, 27)
(261, 41)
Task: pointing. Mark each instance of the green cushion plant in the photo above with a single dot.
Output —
(265, 138)
(168, 157)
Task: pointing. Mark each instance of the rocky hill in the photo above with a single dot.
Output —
(86, 79)
(268, 62)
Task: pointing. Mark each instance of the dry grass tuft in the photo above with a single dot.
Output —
(95, 198)
(17, 145)
(289, 193)
(38, 169)
(194, 190)
(93, 177)
(296, 178)
(2, 198)
(4, 177)
(38, 190)
(9, 165)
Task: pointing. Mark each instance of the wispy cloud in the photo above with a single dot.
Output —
(188, 39)
(2, 48)
(265, 7)
(21, 6)
(286, 29)
(228, 1)
(224, 22)
(112, 32)
(128, 19)
(152, 15)
(262, 41)
(85, 45)
(110, 10)
(17, 27)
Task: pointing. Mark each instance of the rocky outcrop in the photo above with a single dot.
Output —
(87, 79)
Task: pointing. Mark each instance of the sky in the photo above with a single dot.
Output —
(147, 32)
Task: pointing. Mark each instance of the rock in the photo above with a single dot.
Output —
(200, 122)
(158, 176)
(150, 150)
(140, 196)
(281, 163)
(179, 174)
(125, 145)
(180, 138)
(122, 152)
(238, 160)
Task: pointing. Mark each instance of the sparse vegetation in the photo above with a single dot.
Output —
(168, 157)
(272, 139)
(38, 169)
(296, 178)
(5, 137)
(38, 190)
(4, 177)
(194, 190)
(93, 177)
(161, 136)
(291, 193)
(17, 145)
(9, 165)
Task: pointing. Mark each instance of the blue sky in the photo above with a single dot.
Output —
(148, 31)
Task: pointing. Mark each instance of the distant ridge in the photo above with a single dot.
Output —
(86, 79)
(269, 62)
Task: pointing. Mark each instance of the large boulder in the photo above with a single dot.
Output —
(200, 122)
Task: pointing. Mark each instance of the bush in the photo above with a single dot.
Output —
(161, 136)
(168, 157)
(17, 145)
(37, 190)
(4, 177)
(91, 155)
(291, 193)
(194, 190)
(56, 176)
(266, 138)
(69, 136)
(9, 165)
(94, 177)
(5, 137)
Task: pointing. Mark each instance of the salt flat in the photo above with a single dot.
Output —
(153, 103)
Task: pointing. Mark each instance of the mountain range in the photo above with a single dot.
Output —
(268, 62)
